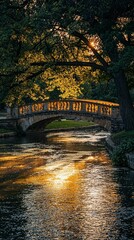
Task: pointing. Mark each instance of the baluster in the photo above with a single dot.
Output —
(32, 108)
(20, 110)
(86, 107)
(80, 106)
(58, 105)
(48, 106)
(61, 106)
(64, 105)
(92, 107)
(51, 106)
(68, 106)
(96, 108)
(74, 106)
(110, 110)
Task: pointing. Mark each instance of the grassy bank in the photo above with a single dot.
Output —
(68, 124)
(124, 142)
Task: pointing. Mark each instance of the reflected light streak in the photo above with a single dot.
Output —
(52, 166)
(62, 176)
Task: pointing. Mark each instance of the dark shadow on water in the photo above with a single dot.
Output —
(124, 177)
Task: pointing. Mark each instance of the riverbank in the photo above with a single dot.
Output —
(121, 148)
(92, 127)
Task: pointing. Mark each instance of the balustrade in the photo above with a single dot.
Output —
(84, 106)
(77, 106)
(37, 107)
(106, 110)
(91, 107)
(58, 106)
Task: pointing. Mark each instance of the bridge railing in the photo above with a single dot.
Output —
(93, 107)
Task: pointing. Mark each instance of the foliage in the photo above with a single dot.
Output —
(99, 87)
(44, 42)
(118, 156)
(24, 42)
(125, 135)
(63, 81)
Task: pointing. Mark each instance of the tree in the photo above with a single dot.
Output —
(25, 42)
(17, 41)
(94, 35)
(105, 28)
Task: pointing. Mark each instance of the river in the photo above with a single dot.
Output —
(62, 186)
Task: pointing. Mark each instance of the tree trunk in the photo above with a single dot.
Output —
(125, 101)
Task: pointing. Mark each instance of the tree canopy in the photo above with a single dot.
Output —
(47, 45)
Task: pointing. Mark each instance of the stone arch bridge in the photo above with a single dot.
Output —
(37, 115)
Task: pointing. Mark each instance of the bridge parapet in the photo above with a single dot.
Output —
(94, 107)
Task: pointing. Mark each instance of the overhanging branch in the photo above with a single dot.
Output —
(46, 65)
(87, 42)
(94, 66)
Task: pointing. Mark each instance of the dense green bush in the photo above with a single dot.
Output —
(118, 156)
(125, 135)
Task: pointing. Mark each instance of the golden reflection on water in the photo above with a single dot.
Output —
(68, 197)
(25, 169)
(63, 175)
(73, 196)
(68, 190)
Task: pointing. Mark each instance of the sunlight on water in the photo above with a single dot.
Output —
(64, 188)
(68, 138)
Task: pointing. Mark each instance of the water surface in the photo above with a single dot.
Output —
(62, 186)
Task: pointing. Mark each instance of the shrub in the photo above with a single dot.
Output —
(117, 137)
(119, 154)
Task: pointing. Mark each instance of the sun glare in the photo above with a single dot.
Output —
(63, 175)
(92, 43)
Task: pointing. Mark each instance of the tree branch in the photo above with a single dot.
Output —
(122, 39)
(87, 42)
(46, 65)
(95, 66)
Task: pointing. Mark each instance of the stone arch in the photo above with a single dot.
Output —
(38, 122)
(40, 126)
